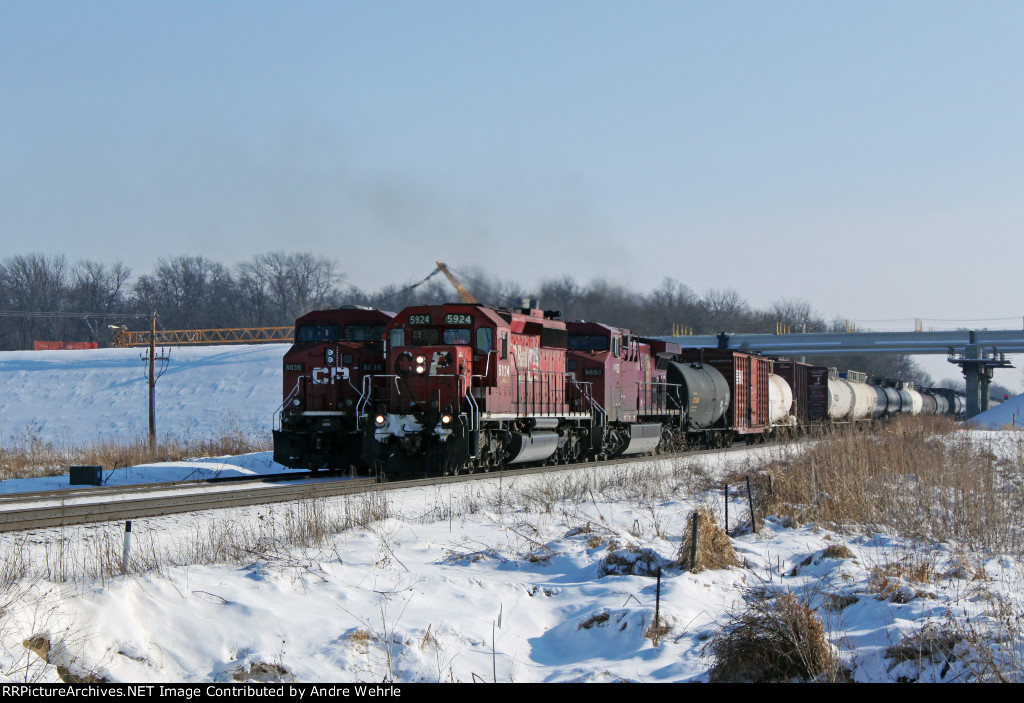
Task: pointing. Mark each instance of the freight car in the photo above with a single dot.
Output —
(853, 397)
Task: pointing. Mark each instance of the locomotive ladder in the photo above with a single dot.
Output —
(288, 399)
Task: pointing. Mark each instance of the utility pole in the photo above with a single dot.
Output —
(164, 359)
(152, 382)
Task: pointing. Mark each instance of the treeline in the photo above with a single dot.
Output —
(49, 298)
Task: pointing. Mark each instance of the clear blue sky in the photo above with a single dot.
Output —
(867, 157)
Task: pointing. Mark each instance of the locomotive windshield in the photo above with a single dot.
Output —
(318, 333)
(424, 337)
(588, 342)
(457, 336)
(364, 333)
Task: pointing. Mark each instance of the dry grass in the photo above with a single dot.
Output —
(289, 535)
(262, 672)
(837, 551)
(631, 561)
(914, 476)
(990, 646)
(714, 548)
(932, 642)
(28, 456)
(776, 638)
(594, 621)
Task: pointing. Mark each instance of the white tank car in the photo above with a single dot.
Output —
(865, 400)
(913, 403)
(780, 402)
(840, 399)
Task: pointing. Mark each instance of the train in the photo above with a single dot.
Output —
(465, 387)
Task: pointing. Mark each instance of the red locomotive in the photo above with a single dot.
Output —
(329, 382)
(475, 387)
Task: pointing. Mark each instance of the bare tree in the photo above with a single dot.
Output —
(189, 292)
(280, 287)
(34, 283)
(797, 315)
(724, 310)
(672, 304)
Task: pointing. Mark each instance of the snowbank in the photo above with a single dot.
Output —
(1004, 415)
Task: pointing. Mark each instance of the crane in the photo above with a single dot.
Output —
(466, 296)
(463, 293)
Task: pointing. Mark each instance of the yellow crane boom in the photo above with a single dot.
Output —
(463, 293)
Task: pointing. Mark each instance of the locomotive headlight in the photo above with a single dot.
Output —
(421, 368)
(421, 359)
(380, 419)
(296, 402)
(446, 419)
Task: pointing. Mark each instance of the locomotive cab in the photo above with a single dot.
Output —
(328, 386)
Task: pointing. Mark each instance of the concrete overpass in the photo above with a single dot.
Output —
(976, 352)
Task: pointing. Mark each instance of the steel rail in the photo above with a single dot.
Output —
(85, 491)
(73, 510)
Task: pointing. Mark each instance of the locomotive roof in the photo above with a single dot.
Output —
(348, 313)
(516, 319)
(584, 327)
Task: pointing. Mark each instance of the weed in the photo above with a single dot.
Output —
(714, 548)
(775, 638)
(594, 621)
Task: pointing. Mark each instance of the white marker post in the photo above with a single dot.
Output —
(127, 546)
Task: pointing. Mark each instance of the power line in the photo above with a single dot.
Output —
(77, 315)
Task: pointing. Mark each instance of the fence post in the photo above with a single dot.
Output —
(657, 602)
(750, 497)
(125, 557)
(727, 508)
(693, 547)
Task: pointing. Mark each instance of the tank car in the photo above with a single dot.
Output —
(781, 408)
(702, 394)
(328, 382)
(747, 414)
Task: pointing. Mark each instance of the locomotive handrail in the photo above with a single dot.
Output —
(657, 394)
(487, 366)
(538, 389)
(587, 395)
(351, 385)
(365, 396)
(474, 410)
(288, 398)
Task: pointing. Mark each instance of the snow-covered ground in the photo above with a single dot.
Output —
(79, 396)
(1002, 416)
(521, 578)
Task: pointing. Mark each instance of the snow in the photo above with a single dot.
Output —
(57, 396)
(1006, 414)
(518, 578)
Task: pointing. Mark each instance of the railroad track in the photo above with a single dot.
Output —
(49, 509)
